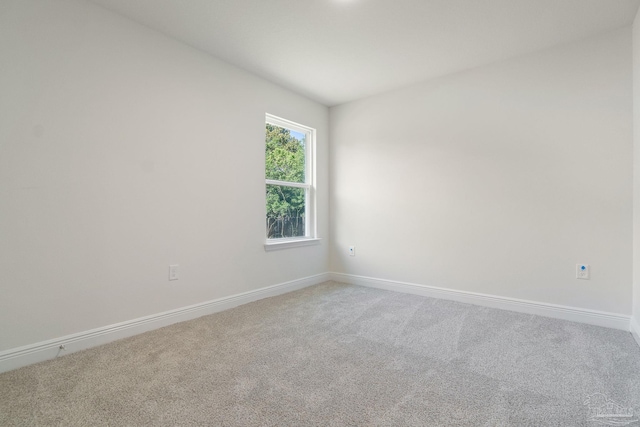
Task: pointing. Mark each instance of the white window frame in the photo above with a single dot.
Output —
(310, 227)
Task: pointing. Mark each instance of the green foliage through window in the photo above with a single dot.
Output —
(284, 155)
(285, 161)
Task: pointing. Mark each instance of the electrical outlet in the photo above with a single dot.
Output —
(352, 251)
(583, 271)
(173, 272)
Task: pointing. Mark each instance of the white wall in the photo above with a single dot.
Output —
(636, 172)
(497, 180)
(121, 152)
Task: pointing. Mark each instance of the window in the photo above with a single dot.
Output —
(290, 195)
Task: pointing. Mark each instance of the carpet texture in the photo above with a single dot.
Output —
(336, 355)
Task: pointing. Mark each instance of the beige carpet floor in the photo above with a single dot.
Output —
(336, 355)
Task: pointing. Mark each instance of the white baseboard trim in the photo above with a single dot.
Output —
(635, 329)
(45, 350)
(591, 317)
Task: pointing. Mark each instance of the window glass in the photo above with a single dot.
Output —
(289, 187)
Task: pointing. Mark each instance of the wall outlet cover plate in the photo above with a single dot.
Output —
(583, 271)
(174, 271)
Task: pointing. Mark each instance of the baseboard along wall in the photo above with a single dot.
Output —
(591, 317)
(635, 329)
(45, 350)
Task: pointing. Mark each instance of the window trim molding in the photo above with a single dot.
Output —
(311, 227)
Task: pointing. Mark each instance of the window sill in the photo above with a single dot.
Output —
(290, 243)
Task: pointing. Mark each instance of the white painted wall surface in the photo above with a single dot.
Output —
(122, 152)
(636, 171)
(497, 180)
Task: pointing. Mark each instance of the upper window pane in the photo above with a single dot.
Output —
(285, 154)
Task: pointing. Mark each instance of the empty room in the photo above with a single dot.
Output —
(320, 212)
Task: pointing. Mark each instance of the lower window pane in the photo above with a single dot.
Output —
(285, 211)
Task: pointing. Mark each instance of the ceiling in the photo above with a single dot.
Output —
(335, 51)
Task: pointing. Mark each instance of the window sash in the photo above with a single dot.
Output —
(308, 230)
(288, 184)
(308, 146)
